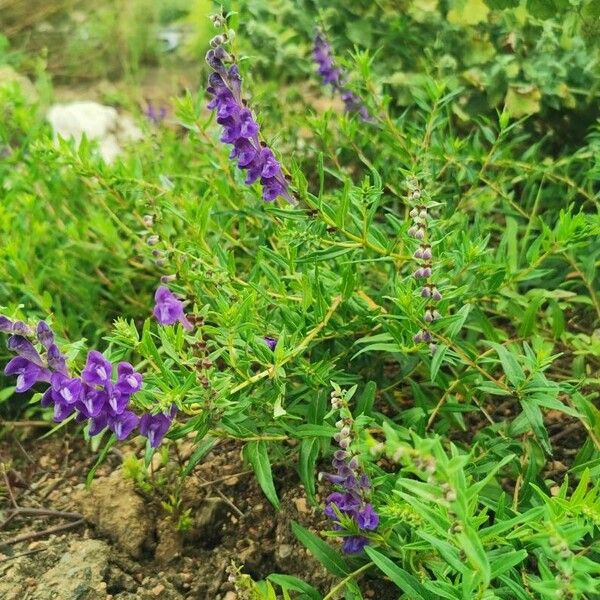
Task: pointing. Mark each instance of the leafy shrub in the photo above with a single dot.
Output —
(479, 491)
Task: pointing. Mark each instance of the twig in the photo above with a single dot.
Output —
(48, 512)
(4, 560)
(9, 488)
(38, 534)
(229, 502)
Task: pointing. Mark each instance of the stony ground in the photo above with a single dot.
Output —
(121, 543)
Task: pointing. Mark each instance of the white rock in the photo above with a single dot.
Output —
(97, 122)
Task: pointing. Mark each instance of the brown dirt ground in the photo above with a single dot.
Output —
(230, 521)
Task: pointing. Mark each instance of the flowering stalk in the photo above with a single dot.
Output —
(240, 129)
(350, 501)
(420, 231)
(332, 75)
(94, 396)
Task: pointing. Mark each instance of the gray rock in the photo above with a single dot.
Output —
(117, 511)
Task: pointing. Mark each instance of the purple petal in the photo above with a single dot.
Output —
(122, 425)
(44, 334)
(98, 370)
(23, 347)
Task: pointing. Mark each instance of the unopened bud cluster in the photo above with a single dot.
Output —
(419, 230)
(354, 487)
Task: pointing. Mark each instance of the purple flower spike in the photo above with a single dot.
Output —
(331, 75)
(154, 427)
(98, 370)
(240, 127)
(27, 372)
(168, 310)
(122, 425)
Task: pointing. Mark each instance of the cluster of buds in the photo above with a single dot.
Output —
(419, 230)
(351, 499)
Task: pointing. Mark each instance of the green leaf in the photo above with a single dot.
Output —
(112, 440)
(199, 453)
(364, 405)
(437, 360)
(309, 453)
(326, 555)
(257, 455)
(408, 583)
(288, 582)
(512, 368)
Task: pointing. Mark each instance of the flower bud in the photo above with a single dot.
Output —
(428, 316)
(435, 294)
(426, 252)
(152, 240)
(148, 220)
(218, 40)
(423, 213)
(419, 252)
(433, 348)
(418, 337)
(168, 278)
(218, 20)
(344, 443)
(426, 292)
(414, 213)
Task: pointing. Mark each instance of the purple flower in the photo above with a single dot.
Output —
(44, 334)
(331, 75)
(98, 370)
(153, 115)
(66, 390)
(123, 424)
(98, 423)
(354, 544)
(367, 518)
(23, 347)
(56, 360)
(128, 381)
(154, 427)
(27, 372)
(168, 310)
(92, 401)
(240, 127)
(270, 341)
(6, 325)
